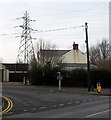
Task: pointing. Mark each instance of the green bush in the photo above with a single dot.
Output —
(76, 78)
(101, 75)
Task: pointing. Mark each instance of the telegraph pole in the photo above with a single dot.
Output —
(88, 61)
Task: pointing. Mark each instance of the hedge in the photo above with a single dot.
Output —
(75, 78)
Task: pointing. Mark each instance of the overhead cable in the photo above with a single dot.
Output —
(52, 30)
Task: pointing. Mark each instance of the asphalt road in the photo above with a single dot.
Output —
(42, 102)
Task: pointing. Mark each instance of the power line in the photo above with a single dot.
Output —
(50, 30)
(58, 29)
(4, 34)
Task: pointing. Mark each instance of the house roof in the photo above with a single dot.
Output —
(53, 52)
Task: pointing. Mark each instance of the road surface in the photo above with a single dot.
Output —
(43, 102)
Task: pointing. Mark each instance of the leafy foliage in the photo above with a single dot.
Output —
(76, 78)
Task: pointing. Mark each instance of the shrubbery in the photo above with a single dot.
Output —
(76, 78)
(101, 75)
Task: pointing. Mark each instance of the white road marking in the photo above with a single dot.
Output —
(61, 104)
(97, 113)
(25, 110)
(69, 103)
(42, 107)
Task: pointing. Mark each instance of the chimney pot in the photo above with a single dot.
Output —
(75, 46)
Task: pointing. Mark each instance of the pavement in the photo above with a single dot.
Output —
(104, 92)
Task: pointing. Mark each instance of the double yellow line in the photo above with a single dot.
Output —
(9, 107)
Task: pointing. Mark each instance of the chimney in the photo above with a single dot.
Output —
(75, 46)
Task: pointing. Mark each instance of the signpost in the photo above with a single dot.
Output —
(59, 77)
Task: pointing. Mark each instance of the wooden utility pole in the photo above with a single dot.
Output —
(88, 61)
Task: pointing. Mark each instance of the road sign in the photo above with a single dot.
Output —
(99, 87)
(59, 77)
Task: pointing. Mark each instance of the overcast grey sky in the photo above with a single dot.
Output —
(53, 14)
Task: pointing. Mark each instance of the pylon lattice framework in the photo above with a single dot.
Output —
(26, 50)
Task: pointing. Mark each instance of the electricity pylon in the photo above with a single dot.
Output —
(26, 50)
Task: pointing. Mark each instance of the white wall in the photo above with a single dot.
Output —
(5, 74)
(74, 56)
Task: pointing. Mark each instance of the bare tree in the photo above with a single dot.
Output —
(46, 53)
(99, 54)
(93, 55)
(43, 44)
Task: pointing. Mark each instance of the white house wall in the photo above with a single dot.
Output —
(6, 75)
(74, 56)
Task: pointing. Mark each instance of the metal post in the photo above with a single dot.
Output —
(88, 62)
(59, 77)
(26, 50)
(59, 85)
